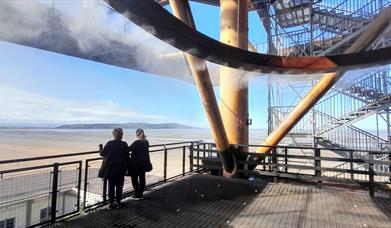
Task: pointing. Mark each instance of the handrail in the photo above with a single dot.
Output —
(282, 163)
(79, 176)
(312, 148)
(82, 153)
(47, 157)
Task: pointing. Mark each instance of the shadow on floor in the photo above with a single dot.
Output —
(194, 201)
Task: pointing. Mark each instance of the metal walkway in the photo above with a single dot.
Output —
(207, 201)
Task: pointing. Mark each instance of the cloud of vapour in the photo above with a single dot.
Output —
(93, 26)
(90, 26)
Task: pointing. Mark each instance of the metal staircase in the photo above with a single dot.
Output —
(310, 27)
(320, 27)
(354, 138)
(366, 95)
(350, 137)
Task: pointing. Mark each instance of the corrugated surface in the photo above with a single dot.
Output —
(206, 201)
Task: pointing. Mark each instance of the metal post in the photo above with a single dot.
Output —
(371, 176)
(204, 148)
(79, 185)
(198, 157)
(85, 184)
(184, 160)
(104, 191)
(191, 157)
(165, 164)
(311, 28)
(274, 164)
(318, 172)
(54, 192)
(351, 165)
(286, 159)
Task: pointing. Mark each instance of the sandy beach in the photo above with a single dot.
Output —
(24, 143)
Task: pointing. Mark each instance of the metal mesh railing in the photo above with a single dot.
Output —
(39, 195)
(318, 164)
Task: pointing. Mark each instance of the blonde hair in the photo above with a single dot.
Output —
(140, 133)
(117, 133)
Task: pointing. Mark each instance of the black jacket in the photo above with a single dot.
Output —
(115, 159)
(139, 160)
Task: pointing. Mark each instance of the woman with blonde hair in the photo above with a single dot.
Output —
(140, 163)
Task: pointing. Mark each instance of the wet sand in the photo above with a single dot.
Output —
(23, 143)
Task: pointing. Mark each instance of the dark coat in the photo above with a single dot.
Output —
(139, 160)
(115, 159)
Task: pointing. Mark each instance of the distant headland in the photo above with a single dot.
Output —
(125, 126)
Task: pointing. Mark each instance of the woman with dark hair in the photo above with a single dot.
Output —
(115, 162)
(140, 163)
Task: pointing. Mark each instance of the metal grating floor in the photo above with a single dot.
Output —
(207, 201)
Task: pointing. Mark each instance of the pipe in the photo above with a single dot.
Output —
(233, 87)
(372, 32)
(181, 9)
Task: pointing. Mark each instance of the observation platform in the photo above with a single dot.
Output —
(199, 200)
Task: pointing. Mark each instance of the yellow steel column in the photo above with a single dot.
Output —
(233, 86)
(374, 29)
(181, 9)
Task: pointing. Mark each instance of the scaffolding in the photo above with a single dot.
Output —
(324, 27)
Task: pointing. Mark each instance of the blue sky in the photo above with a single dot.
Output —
(40, 87)
(44, 88)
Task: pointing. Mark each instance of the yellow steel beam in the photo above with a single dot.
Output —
(373, 30)
(233, 88)
(181, 9)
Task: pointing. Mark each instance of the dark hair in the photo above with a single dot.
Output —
(140, 133)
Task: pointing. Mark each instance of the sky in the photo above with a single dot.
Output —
(41, 88)
(44, 88)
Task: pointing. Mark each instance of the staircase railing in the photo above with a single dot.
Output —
(357, 139)
(350, 137)
(279, 113)
(344, 17)
(353, 96)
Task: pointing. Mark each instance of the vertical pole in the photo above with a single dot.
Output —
(274, 164)
(85, 184)
(29, 205)
(104, 191)
(191, 157)
(198, 156)
(233, 83)
(311, 47)
(386, 91)
(377, 131)
(79, 168)
(270, 120)
(184, 160)
(314, 139)
(286, 159)
(371, 175)
(318, 172)
(54, 192)
(165, 164)
(204, 148)
(351, 164)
